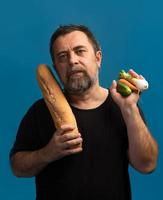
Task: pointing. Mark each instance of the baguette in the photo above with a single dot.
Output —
(54, 98)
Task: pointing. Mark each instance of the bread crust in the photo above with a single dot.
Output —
(55, 100)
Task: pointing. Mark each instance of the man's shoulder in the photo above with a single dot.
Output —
(38, 106)
(39, 103)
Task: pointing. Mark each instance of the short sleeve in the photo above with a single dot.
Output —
(26, 138)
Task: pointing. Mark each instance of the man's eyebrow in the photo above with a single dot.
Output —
(75, 48)
(79, 47)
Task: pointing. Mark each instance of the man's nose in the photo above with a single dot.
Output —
(73, 58)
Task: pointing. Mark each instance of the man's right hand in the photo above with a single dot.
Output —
(64, 142)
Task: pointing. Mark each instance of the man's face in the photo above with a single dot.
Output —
(76, 62)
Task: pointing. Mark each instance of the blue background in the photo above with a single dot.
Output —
(131, 36)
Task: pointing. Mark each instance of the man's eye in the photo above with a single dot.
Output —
(80, 51)
(62, 57)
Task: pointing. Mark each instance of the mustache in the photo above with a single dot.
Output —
(74, 70)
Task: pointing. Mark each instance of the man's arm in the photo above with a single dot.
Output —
(143, 149)
(63, 143)
(27, 163)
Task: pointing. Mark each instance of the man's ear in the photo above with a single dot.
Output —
(99, 58)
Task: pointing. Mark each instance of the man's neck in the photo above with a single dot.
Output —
(91, 98)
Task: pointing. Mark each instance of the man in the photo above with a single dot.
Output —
(112, 130)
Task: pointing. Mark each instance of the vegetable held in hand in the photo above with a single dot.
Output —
(123, 89)
(141, 84)
(128, 84)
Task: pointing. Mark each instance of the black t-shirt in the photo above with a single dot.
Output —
(99, 172)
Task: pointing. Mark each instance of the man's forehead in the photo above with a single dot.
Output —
(75, 38)
(74, 34)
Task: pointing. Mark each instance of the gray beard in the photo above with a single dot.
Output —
(77, 85)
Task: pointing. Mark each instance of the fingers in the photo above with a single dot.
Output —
(66, 137)
(72, 143)
(114, 85)
(141, 77)
(69, 136)
(65, 141)
(113, 89)
(64, 128)
(73, 151)
(134, 74)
